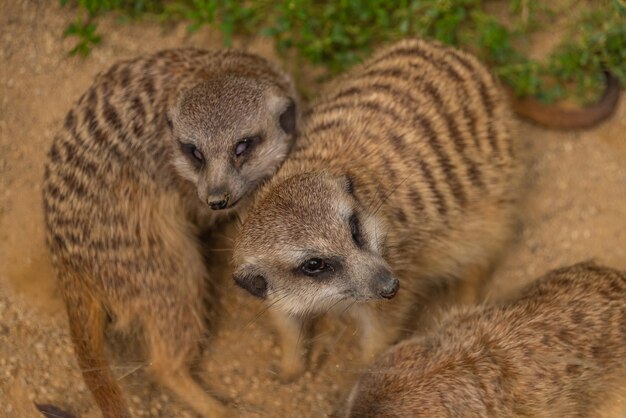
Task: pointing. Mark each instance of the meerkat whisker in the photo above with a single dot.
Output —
(133, 370)
(265, 309)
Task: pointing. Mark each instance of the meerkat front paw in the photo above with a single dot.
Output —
(369, 352)
(292, 344)
(376, 335)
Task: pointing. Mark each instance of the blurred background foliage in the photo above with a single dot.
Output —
(337, 34)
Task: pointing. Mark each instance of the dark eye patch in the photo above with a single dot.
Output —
(355, 230)
(244, 146)
(320, 267)
(314, 267)
(192, 153)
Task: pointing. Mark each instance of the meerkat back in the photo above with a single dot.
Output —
(155, 150)
(557, 351)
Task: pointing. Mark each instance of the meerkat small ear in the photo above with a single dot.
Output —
(285, 110)
(288, 118)
(254, 283)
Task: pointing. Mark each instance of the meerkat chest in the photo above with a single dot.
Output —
(204, 218)
(197, 213)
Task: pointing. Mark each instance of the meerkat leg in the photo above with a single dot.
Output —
(172, 306)
(180, 381)
(174, 335)
(291, 339)
(86, 320)
(376, 335)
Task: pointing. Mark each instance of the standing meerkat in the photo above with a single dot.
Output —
(403, 179)
(145, 158)
(557, 351)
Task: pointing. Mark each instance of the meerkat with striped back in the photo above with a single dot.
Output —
(559, 350)
(157, 149)
(404, 178)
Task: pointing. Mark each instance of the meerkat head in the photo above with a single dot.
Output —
(230, 134)
(309, 244)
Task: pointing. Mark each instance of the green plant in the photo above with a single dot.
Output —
(87, 37)
(85, 25)
(233, 16)
(337, 34)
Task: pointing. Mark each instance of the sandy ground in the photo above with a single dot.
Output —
(574, 209)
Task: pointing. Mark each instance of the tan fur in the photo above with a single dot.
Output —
(122, 208)
(420, 133)
(559, 350)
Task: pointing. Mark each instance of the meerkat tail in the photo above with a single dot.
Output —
(554, 117)
(86, 320)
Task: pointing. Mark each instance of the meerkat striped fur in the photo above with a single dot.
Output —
(404, 178)
(143, 161)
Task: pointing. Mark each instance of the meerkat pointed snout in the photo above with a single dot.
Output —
(404, 169)
(558, 350)
(144, 160)
(227, 148)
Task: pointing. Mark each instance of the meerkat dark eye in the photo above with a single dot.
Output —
(192, 152)
(197, 154)
(245, 145)
(355, 229)
(315, 266)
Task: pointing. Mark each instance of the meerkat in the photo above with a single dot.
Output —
(157, 148)
(559, 350)
(403, 179)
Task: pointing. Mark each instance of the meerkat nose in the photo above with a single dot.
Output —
(217, 202)
(387, 285)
